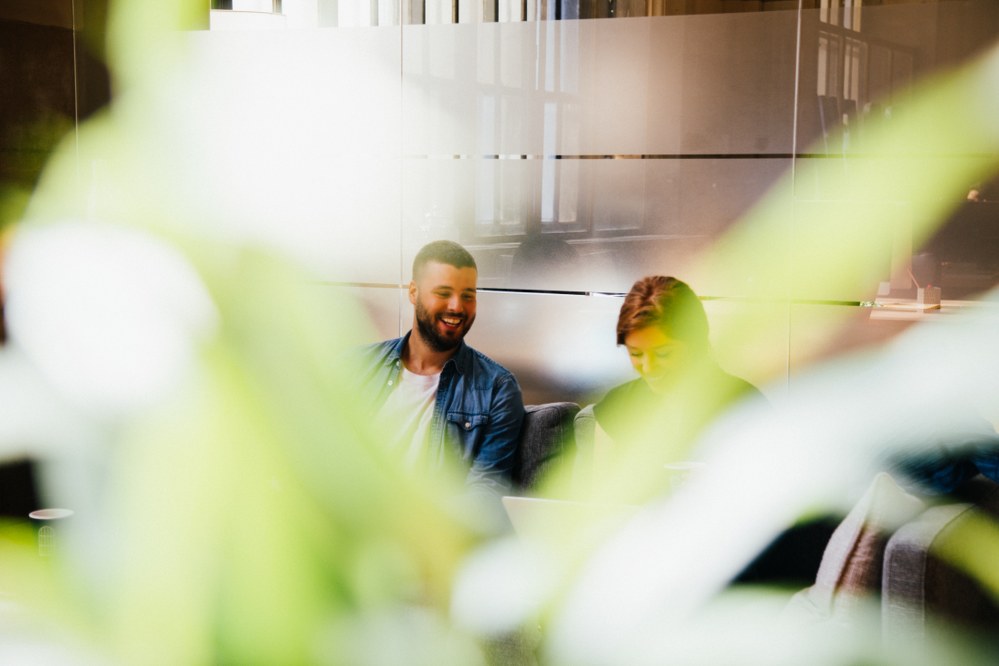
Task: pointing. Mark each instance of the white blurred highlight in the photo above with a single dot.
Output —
(110, 316)
(501, 585)
(293, 165)
(34, 415)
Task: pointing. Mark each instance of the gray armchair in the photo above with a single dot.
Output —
(905, 554)
(923, 582)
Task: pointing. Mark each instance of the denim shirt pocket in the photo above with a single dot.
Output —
(467, 431)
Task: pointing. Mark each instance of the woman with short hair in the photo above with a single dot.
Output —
(680, 387)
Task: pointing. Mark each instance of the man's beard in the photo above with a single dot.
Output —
(436, 341)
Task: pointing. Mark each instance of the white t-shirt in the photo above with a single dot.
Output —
(410, 408)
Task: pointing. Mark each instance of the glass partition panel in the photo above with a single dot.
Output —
(612, 135)
(559, 346)
(856, 79)
(574, 155)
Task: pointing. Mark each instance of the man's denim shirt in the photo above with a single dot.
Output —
(477, 414)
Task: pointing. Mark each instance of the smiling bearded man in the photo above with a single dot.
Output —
(444, 302)
(443, 399)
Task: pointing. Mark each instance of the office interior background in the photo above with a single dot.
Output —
(573, 147)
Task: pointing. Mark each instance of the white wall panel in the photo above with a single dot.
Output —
(311, 146)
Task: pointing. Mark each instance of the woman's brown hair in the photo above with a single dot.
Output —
(667, 303)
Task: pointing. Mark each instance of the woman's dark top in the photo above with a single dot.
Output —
(628, 406)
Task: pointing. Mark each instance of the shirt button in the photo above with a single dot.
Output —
(391, 382)
(468, 426)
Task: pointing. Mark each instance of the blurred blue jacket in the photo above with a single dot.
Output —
(478, 411)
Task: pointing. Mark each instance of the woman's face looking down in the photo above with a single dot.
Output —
(655, 356)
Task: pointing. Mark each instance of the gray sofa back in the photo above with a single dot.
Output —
(546, 439)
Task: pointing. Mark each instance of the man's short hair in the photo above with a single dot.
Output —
(443, 252)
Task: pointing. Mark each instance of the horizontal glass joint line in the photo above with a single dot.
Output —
(649, 156)
(697, 156)
(616, 294)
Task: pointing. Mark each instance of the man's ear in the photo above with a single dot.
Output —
(412, 292)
